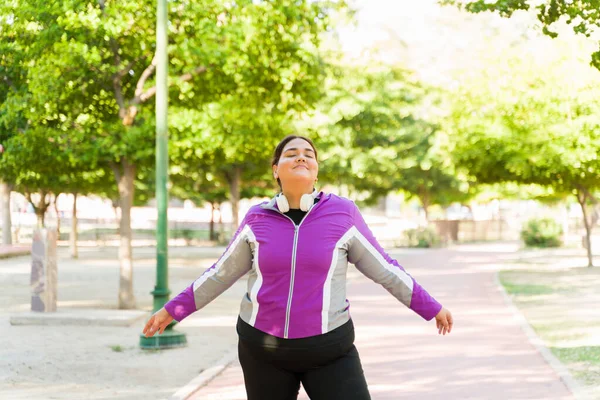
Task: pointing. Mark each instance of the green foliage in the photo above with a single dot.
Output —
(272, 73)
(80, 75)
(375, 140)
(543, 232)
(531, 129)
(423, 237)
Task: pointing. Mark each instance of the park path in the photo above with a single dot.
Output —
(487, 356)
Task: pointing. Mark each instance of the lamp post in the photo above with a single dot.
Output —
(169, 338)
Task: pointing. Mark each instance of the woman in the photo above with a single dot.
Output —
(294, 324)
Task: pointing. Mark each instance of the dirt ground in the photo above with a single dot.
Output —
(92, 362)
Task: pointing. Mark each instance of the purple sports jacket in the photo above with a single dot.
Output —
(297, 274)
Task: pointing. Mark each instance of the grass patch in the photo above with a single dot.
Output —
(117, 348)
(572, 333)
(578, 354)
(584, 362)
(527, 290)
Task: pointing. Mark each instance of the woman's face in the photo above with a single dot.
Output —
(297, 164)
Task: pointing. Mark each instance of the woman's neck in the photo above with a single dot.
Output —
(293, 196)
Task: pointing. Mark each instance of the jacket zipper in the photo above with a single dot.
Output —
(290, 295)
(293, 274)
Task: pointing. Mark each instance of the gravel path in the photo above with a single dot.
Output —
(75, 362)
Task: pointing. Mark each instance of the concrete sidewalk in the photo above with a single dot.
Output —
(487, 356)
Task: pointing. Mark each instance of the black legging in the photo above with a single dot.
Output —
(328, 366)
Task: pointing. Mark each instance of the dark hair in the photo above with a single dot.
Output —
(281, 145)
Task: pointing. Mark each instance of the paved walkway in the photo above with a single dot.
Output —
(487, 356)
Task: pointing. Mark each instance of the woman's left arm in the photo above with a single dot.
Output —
(372, 261)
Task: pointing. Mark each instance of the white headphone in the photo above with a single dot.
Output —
(306, 202)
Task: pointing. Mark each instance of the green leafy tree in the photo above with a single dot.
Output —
(234, 146)
(379, 143)
(91, 65)
(35, 172)
(534, 130)
(13, 86)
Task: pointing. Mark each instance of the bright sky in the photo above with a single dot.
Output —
(434, 40)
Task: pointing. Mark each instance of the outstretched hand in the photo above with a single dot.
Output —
(444, 321)
(157, 322)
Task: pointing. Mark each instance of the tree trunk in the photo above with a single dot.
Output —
(582, 199)
(220, 221)
(424, 197)
(234, 195)
(73, 237)
(6, 222)
(595, 207)
(40, 208)
(125, 175)
(57, 214)
(425, 203)
(211, 234)
(115, 205)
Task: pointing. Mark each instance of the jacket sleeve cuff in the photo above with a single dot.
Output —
(181, 306)
(423, 303)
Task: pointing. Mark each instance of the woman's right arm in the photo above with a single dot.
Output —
(231, 266)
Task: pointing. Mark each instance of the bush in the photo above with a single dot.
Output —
(422, 237)
(542, 232)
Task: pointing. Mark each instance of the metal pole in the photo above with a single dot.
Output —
(161, 291)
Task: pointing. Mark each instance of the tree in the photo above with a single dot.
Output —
(534, 129)
(99, 59)
(229, 156)
(12, 87)
(380, 142)
(198, 179)
(583, 16)
(34, 173)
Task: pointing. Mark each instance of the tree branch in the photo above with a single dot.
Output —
(595, 208)
(43, 203)
(190, 75)
(139, 88)
(119, 97)
(30, 200)
(120, 74)
(117, 78)
(183, 78)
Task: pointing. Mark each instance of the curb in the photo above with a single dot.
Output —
(19, 253)
(79, 317)
(205, 377)
(563, 373)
